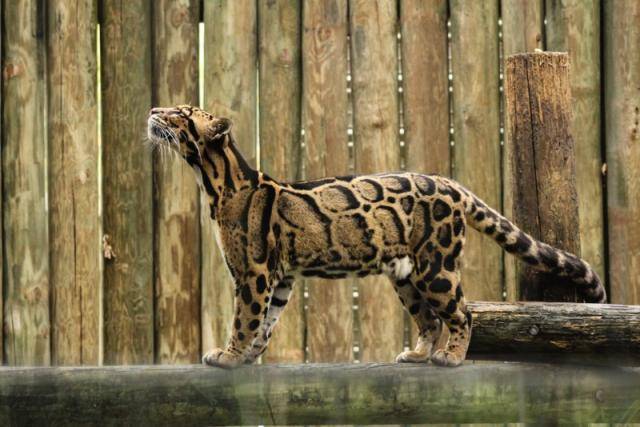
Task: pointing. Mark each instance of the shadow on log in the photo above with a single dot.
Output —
(319, 394)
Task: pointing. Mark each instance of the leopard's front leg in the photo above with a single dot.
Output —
(252, 299)
(277, 304)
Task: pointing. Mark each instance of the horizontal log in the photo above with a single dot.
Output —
(545, 331)
(319, 394)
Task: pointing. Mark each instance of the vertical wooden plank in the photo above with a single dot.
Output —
(230, 90)
(622, 124)
(2, 286)
(476, 122)
(279, 43)
(522, 25)
(26, 240)
(325, 104)
(176, 194)
(376, 149)
(425, 83)
(522, 31)
(573, 26)
(74, 221)
(423, 25)
(128, 212)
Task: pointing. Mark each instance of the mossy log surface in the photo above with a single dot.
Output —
(319, 394)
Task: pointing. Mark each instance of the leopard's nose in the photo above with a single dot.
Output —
(156, 111)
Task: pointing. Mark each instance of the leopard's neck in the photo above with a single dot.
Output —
(225, 173)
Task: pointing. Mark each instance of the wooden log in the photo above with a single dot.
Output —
(320, 394)
(476, 123)
(127, 182)
(522, 31)
(176, 194)
(74, 221)
(425, 95)
(583, 333)
(574, 26)
(325, 106)
(538, 105)
(376, 149)
(279, 108)
(622, 124)
(230, 57)
(26, 236)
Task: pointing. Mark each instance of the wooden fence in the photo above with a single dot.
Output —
(107, 256)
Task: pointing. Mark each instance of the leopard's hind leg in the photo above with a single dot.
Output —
(446, 298)
(429, 324)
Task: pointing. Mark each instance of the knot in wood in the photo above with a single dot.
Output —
(534, 330)
(599, 396)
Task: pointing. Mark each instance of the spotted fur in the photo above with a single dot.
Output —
(406, 225)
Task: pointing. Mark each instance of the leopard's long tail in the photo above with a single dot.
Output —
(539, 255)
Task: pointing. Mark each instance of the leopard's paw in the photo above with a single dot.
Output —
(446, 358)
(411, 356)
(222, 359)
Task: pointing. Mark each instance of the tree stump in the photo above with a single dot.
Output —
(545, 203)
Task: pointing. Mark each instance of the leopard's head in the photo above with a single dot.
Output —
(187, 130)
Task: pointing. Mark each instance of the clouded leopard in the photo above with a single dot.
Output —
(408, 226)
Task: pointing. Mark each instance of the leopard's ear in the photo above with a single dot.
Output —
(220, 128)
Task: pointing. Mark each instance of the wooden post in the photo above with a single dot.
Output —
(280, 87)
(230, 56)
(325, 105)
(573, 26)
(75, 227)
(176, 194)
(522, 31)
(26, 236)
(127, 181)
(622, 107)
(310, 394)
(425, 95)
(476, 124)
(376, 149)
(538, 106)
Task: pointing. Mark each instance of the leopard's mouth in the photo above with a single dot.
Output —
(159, 132)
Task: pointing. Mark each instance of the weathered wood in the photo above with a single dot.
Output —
(522, 31)
(324, 103)
(584, 333)
(127, 181)
(538, 104)
(230, 57)
(176, 194)
(26, 237)
(279, 107)
(74, 221)
(573, 26)
(320, 394)
(423, 26)
(476, 123)
(622, 108)
(376, 149)
(1, 205)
